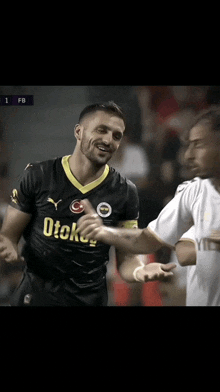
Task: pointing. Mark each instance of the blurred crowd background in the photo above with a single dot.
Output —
(151, 155)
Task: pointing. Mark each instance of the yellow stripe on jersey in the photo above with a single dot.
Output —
(132, 224)
(86, 188)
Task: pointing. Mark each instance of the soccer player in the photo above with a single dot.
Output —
(63, 268)
(196, 203)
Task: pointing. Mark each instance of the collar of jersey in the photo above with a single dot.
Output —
(82, 188)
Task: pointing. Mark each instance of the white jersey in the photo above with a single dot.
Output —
(192, 289)
(197, 203)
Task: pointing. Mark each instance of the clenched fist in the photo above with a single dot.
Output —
(90, 225)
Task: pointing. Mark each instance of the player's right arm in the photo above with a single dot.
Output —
(138, 241)
(13, 226)
(18, 213)
(174, 220)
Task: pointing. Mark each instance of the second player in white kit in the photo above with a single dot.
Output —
(197, 203)
(200, 201)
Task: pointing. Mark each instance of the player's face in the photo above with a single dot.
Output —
(101, 134)
(203, 152)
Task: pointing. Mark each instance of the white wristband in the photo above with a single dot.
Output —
(135, 273)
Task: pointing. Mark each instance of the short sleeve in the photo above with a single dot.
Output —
(24, 193)
(177, 216)
(189, 235)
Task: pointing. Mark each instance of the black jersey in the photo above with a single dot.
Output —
(53, 250)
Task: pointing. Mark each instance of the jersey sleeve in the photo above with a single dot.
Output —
(131, 214)
(189, 235)
(177, 216)
(24, 194)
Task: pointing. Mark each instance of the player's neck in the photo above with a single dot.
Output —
(84, 170)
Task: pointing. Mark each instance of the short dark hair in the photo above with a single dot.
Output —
(110, 107)
(211, 116)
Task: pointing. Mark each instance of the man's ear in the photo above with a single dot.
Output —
(78, 131)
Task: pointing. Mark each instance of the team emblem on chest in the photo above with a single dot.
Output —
(76, 207)
(104, 209)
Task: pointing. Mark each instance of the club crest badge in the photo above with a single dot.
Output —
(76, 207)
(104, 209)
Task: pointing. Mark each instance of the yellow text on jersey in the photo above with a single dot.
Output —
(64, 232)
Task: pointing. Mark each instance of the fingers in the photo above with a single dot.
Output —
(166, 270)
(168, 267)
(89, 224)
(3, 251)
(158, 271)
(1, 238)
(86, 224)
(8, 251)
(9, 257)
(88, 230)
(89, 216)
(88, 208)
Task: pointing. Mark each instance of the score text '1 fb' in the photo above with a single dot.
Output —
(18, 100)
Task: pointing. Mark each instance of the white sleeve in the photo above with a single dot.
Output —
(176, 217)
(189, 235)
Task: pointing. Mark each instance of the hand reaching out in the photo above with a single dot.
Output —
(91, 226)
(154, 271)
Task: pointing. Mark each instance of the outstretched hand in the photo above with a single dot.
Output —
(91, 226)
(155, 271)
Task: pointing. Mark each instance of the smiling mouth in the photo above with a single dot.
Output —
(103, 149)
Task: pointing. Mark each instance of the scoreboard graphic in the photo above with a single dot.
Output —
(16, 100)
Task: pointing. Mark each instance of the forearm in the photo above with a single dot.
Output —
(128, 266)
(128, 240)
(14, 224)
(138, 241)
(11, 239)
